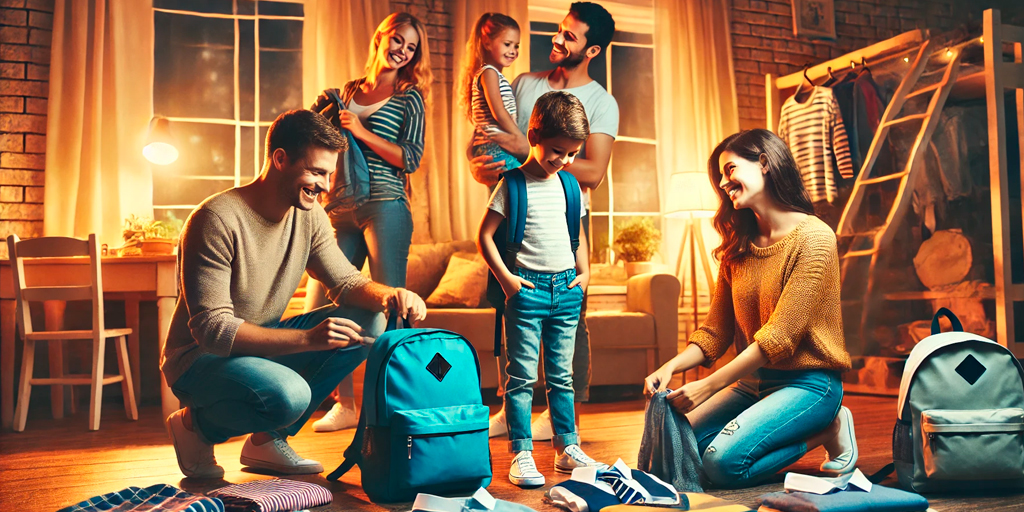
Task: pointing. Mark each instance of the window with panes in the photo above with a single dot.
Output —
(223, 71)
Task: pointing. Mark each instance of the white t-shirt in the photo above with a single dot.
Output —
(601, 108)
(363, 112)
(546, 236)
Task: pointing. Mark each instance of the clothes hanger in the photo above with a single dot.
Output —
(799, 94)
(832, 80)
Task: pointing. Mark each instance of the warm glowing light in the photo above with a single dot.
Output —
(949, 53)
(160, 153)
(906, 59)
(160, 148)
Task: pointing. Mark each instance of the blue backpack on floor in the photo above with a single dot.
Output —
(509, 235)
(423, 425)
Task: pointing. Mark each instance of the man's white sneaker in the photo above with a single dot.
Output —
(843, 445)
(338, 418)
(279, 457)
(497, 426)
(195, 457)
(572, 457)
(541, 429)
(524, 471)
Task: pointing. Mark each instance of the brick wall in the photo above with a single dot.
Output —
(763, 40)
(24, 83)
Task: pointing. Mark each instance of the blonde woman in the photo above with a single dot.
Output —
(385, 112)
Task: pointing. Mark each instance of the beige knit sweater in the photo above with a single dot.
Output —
(785, 298)
(235, 266)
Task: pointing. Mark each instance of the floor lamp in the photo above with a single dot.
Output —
(691, 197)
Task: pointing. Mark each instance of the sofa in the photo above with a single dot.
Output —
(626, 346)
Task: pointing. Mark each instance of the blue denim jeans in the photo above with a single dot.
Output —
(581, 355)
(546, 314)
(749, 431)
(237, 395)
(382, 231)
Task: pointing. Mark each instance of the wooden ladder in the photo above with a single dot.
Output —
(880, 237)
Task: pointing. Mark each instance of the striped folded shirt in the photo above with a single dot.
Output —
(275, 495)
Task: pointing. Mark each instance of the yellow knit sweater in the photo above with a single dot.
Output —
(785, 298)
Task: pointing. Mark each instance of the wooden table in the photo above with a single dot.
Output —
(134, 277)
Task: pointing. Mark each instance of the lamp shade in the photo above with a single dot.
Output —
(160, 148)
(691, 194)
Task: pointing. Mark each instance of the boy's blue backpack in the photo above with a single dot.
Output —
(509, 235)
(423, 425)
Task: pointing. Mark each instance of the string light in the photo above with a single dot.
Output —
(981, 39)
(906, 59)
(949, 53)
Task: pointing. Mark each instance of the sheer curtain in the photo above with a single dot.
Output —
(101, 99)
(695, 94)
(460, 198)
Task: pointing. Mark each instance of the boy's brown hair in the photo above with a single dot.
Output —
(558, 113)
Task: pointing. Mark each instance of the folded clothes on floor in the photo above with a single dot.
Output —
(155, 498)
(275, 495)
(481, 500)
(633, 486)
(668, 448)
(879, 499)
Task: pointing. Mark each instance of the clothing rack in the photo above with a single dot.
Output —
(997, 77)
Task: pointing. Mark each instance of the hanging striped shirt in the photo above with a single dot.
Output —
(400, 121)
(482, 117)
(814, 131)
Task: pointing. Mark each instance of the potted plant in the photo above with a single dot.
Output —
(636, 243)
(148, 236)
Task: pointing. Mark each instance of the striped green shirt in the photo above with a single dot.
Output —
(400, 121)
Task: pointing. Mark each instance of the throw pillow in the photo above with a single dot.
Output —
(464, 284)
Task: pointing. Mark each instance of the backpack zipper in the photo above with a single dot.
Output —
(409, 445)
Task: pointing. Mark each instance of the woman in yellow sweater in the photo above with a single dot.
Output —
(777, 300)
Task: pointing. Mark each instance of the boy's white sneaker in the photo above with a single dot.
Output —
(279, 457)
(497, 426)
(524, 471)
(338, 418)
(572, 457)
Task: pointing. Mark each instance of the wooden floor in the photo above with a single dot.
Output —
(54, 464)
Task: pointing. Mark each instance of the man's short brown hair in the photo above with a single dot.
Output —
(296, 130)
(559, 114)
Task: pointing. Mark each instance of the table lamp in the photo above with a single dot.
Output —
(159, 147)
(692, 197)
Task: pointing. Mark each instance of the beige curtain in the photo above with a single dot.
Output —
(457, 196)
(335, 42)
(101, 99)
(695, 95)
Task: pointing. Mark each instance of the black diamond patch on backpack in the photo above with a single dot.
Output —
(970, 369)
(438, 367)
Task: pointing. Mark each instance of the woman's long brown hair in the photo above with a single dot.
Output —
(783, 184)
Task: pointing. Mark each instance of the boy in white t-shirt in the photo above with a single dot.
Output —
(545, 289)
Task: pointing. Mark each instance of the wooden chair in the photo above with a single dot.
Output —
(67, 247)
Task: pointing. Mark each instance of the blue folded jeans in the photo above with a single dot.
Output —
(238, 395)
(545, 314)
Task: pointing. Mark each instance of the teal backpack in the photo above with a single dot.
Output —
(960, 415)
(509, 236)
(423, 425)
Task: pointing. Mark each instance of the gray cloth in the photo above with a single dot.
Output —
(668, 449)
(879, 499)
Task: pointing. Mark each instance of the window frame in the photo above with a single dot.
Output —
(256, 124)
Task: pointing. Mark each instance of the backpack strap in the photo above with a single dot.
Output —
(943, 312)
(513, 227)
(880, 475)
(353, 454)
(572, 208)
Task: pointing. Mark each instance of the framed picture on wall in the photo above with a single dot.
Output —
(815, 19)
